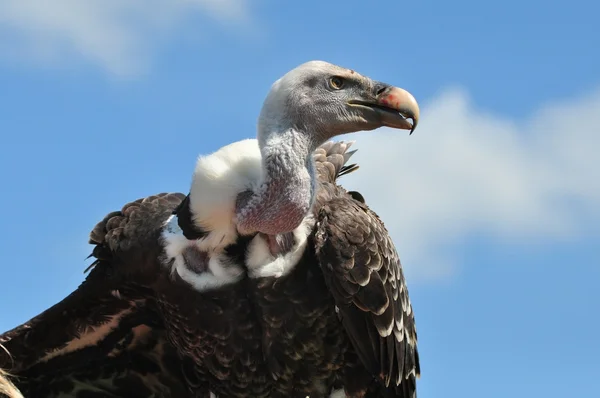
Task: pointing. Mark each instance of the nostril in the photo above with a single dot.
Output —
(380, 88)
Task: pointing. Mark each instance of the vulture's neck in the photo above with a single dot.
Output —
(286, 195)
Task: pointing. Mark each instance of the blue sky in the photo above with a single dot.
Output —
(493, 202)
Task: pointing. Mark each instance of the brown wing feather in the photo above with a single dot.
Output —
(331, 158)
(106, 334)
(363, 272)
(136, 226)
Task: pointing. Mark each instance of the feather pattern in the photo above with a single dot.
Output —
(363, 272)
(341, 318)
(106, 338)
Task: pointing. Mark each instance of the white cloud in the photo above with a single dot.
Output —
(466, 173)
(116, 34)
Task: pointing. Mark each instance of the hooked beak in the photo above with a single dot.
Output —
(392, 106)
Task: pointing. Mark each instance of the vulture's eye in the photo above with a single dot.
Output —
(336, 82)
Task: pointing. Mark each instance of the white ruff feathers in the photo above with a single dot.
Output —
(219, 273)
(262, 264)
(218, 179)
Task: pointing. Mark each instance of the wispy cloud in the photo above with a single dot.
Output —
(469, 173)
(118, 35)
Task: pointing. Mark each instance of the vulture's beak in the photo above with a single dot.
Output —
(392, 106)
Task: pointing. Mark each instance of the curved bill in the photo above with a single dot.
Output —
(393, 107)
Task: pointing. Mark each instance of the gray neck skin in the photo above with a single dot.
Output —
(286, 195)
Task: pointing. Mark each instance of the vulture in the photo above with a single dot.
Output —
(268, 279)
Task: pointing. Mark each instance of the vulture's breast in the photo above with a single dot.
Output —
(303, 339)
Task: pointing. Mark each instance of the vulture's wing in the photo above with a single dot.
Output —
(363, 272)
(106, 337)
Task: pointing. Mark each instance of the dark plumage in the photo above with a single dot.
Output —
(106, 338)
(218, 331)
(342, 316)
(363, 274)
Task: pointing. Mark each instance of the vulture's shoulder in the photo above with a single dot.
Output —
(132, 233)
(363, 272)
(331, 158)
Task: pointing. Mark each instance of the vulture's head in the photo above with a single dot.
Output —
(307, 106)
(325, 100)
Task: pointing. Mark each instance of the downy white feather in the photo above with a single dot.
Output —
(218, 179)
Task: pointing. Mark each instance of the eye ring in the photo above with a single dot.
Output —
(336, 82)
